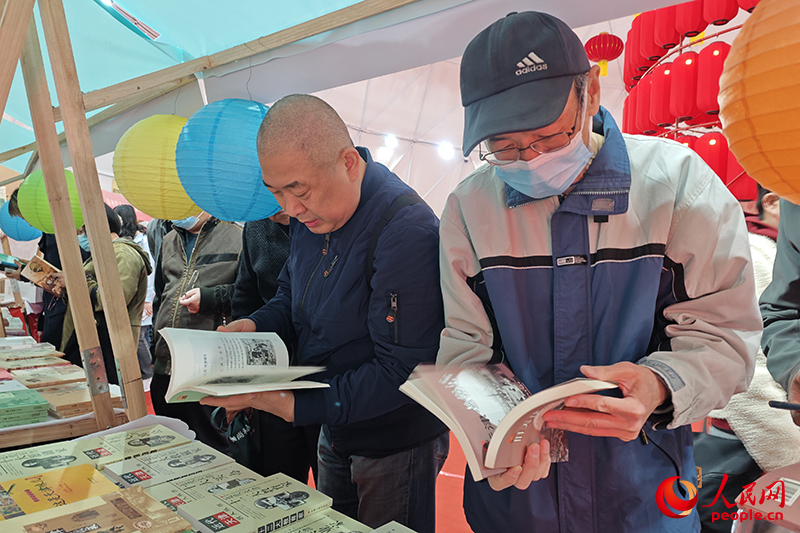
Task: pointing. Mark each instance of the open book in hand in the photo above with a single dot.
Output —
(212, 363)
(492, 413)
(43, 274)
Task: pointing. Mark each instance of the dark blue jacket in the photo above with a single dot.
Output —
(369, 340)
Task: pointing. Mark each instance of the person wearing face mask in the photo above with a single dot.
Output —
(194, 281)
(134, 267)
(579, 251)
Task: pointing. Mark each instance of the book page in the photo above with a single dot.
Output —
(40, 273)
(210, 357)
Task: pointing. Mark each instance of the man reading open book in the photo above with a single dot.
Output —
(379, 452)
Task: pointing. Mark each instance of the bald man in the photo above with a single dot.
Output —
(369, 322)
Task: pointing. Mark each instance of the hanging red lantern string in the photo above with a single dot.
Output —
(710, 61)
(713, 148)
(643, 122)
(686, 140)
(689, 19)
(604, 48)
(642, 62)
(719, 12)
(665, 34)
(748, 5)
(647, 44)
(683, 87)
(633, 99)
(626, 115)
(659, 95)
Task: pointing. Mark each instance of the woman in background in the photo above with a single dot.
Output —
(131, 229)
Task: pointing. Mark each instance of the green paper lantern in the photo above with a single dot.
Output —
(34, 206)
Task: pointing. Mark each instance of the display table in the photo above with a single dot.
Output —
(54, 429)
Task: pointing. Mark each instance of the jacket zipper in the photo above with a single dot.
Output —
(561, 197)
(185, 277)
(308, 283)
(391, 318)
(330, 268)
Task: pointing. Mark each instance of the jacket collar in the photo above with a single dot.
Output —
(374, 176)
(606, 183)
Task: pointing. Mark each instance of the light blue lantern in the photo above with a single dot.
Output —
(15, 227)
(217, 161)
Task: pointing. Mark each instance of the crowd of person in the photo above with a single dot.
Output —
(574, 251)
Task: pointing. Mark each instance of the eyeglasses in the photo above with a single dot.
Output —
(545, 145)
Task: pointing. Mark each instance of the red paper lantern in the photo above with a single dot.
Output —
(713, 148)
(633, 100)
(683, 87)
(686, 140)
(626, 115)
(719, 12)
(666, 36)
(689, 19)
(648, 48)
(741, 185)
(641, 61)
(748, 5)
(603, 48)
(643, 122)
(659, 95)
(710, 61)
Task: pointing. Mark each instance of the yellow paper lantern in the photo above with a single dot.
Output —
(760, 97)
(144, 168)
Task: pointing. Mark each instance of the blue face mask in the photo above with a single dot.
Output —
(186, 223)
(547, 174)
(83, 242)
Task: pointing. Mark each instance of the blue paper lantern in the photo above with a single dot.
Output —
(15, 227)
(218, 164)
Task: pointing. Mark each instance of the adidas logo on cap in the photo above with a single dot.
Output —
(531, 63)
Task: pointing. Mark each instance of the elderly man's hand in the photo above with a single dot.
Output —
(535, 466)
(15, 274)
(279, 403)
(191, 300)
(602, 416)
(794, 396)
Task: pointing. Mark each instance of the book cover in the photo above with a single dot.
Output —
(32, 419)
(134, 443)
(49, 376)
(125, 511)
(34, 362)
(40, 273)
(331, 521)
(275, 502)
(211, 363)
(166, 465)
(11, 385)
(27, 495)
(13, 343)
(19, 401)
(492, 413)
(202, 484)
(26, 462)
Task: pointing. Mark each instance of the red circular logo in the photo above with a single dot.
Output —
(667, 500)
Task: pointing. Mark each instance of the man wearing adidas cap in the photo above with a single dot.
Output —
(580, 251)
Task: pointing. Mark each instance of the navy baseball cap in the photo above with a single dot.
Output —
(516, 75)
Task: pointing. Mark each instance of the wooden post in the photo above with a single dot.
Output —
(12, 33)
(79, 144)
(58, 196)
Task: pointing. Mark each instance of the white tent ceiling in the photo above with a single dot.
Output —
(392, 74)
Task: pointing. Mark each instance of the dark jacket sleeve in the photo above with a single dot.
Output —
(246, 298)
(780, 301)
(158, 286)
(276, 316)
(406, 266)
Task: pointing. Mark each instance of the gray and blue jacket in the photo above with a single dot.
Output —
(646, 260)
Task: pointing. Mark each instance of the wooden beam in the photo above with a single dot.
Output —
(328, 22)
(12, 33)
(103, 116)
(58, 197)
(79, 142)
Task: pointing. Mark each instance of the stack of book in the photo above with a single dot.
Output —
(20, 405)
(49, 376)
(73, 399)
(123, 511)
